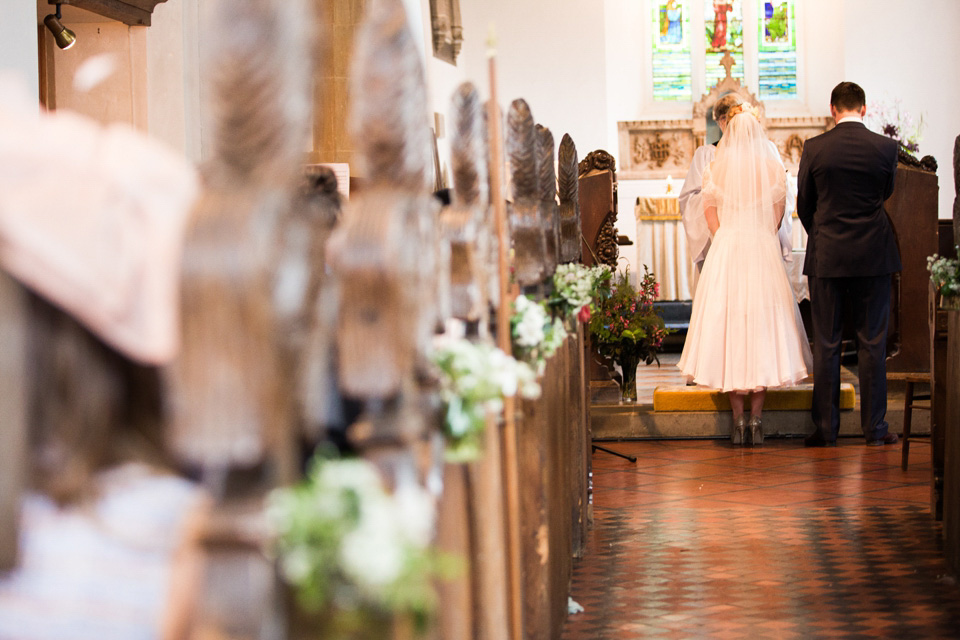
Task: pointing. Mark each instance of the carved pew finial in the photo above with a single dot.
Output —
(231, 405)
(384, 255)
(259, 70)
(524, 212)
(465, 224)
(548, 199)
(468, 148)
(568, 189)
(388, 114)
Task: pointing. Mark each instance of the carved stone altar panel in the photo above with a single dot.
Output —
(655, 148)
(790, 134)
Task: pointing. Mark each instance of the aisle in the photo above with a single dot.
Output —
(700, 540)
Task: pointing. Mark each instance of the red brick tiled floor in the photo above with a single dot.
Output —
(702, 540)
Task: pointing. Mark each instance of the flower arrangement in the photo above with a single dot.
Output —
(575, 287)
(627, 328)
(890, 119)
(474, 379)
(536, 335)
(945, 275)
(345, 544)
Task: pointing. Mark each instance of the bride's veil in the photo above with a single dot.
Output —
(746, 180)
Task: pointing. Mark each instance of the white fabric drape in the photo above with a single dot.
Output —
(662, 246)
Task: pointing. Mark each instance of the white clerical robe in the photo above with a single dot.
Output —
(691, 210)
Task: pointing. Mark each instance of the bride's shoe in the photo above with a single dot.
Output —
(738, 434)
(756, 431)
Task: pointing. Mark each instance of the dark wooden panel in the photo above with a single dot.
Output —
(135, 13)
(549, 455)
(532, 463)
(938, 402)
(913, 211)
(455, 617)
(489, 530)
(580, 445)
(951, 479)
(596, 204)
(938, 376)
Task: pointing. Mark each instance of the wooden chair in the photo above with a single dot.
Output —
(908, 406)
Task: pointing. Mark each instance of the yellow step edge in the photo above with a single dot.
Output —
(690, 398)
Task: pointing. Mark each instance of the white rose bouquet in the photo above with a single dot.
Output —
(474, 379)
(536, 336)
(346, 544)
(945, 275)
(575, 289)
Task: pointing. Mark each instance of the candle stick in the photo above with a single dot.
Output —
(504, 341)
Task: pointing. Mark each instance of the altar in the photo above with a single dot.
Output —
(662, 246)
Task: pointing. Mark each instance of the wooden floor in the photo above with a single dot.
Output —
(698, 539)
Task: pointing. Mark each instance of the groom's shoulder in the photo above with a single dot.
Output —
(813, 143)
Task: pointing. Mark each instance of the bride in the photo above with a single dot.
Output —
(745, 330)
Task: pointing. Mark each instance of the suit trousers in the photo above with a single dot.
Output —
(867, 299)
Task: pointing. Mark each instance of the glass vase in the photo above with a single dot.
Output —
(628, 378)
(950, 302)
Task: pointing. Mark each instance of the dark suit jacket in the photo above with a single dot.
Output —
(845, 176)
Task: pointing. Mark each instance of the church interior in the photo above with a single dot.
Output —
(363, 319)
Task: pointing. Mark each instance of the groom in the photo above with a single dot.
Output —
(845, 176)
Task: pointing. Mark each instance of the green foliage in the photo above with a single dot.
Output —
(345, 545)
(474, 378)
(945, 275)
(625, 323)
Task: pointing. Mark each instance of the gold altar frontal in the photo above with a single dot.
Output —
(658, 208)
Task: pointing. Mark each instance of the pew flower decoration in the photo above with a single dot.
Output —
(575, 287)
(345, 544)
(888, 117)
(945, 276)
(474, 379)
(536, 335)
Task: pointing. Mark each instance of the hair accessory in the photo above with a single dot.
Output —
(743, 108)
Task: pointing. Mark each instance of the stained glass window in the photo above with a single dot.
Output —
(777, 50)
(723, 27)
(671, 50)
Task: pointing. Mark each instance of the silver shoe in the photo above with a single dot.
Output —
(738, 433)
(756, 431)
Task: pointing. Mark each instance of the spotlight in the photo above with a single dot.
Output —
(63, 36)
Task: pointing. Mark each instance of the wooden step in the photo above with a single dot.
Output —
(693, 398)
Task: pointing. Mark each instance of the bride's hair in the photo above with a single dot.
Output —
(743, 107)
(721, 108)
(746, 177)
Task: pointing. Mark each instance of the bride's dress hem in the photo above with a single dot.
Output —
(790, 381)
